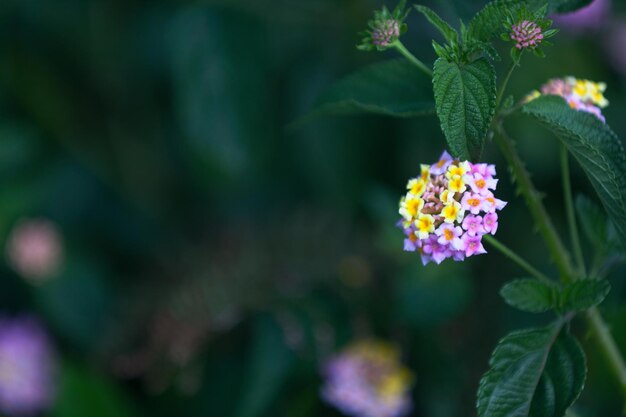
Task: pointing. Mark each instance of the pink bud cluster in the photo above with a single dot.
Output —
(449, 208)
(526, 34)
(386, 32)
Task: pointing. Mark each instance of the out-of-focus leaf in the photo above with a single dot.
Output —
(530, 295)
(268, 365)
(593, 221)
(19, 149)
(391, 88)
(465, 95)
(220, 88)
(84, 393)
(78, 303)
(595, 146)
(536, 372)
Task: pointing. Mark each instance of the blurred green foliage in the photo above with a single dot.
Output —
(214, 258)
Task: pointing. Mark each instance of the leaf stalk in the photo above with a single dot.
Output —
(569, 208)
(516, 258)
(408, 55)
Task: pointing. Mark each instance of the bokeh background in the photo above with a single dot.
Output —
(192, 254)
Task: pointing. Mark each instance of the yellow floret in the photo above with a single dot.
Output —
(416, 186)
(395, 384)
(456, 184)
(425, 169)
(457, 170)
(452, 212)
(531, 96)
(425, 225)
(410, 206)
(446, 197)
(591, 91)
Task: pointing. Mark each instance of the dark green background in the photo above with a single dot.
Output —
(214, 257)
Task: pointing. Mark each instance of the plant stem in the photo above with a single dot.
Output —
(408, 55)
(608, 346)
(515, 258)
(505, 82)
(533, 201)
(569, 207)
(560, 255)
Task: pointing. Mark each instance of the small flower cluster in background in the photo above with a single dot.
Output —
(35, 250)
(582, 95)
(385, 29)
(27, 367)
(448, 208)
(368, 380)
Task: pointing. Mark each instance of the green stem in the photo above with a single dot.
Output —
(502, 89)
(569, 207)
(533, 201)
(515, 258)
(560, 255)
(408, 55)
(608, 346)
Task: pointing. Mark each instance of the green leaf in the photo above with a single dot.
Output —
(465, 97)
(488, 23)
(268, 367)
(584, 294)
(595, 146)
(536, 372)
(392, 88)
(530, 295)
(593, 221)
(441, 25)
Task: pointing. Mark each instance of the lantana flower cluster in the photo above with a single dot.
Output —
(580, 94)
(449, 208)
(367, 379)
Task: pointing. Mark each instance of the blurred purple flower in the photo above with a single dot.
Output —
(368, 380)
(27, 367)
(591, 17)
(35, 250)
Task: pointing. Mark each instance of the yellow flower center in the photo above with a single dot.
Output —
(425, 223)
(456, 184)
(414, 205)
(450, 212)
